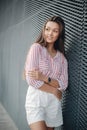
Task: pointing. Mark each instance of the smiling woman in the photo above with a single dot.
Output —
(46, 73)
(51, 32)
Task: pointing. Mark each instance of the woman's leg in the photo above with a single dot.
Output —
(49, 128)
(40, 125)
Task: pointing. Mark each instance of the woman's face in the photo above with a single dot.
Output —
(51, 32)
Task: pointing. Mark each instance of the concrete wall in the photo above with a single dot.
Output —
(15, 39)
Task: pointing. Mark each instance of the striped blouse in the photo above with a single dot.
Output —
(56, 67)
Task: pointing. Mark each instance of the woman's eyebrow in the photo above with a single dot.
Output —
(52, 28)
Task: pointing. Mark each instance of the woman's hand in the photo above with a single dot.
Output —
(57, 93)
(37, 75)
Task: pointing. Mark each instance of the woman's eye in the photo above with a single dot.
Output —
(47, 29)
(55, 31)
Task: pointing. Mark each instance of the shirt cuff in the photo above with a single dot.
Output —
(61, 88)
(37, 84)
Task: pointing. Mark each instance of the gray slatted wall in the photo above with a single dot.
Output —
(74, 12)
(82, 112)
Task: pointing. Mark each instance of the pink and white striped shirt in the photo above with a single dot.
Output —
(56, 67)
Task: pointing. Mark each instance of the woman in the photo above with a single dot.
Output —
(47, 76)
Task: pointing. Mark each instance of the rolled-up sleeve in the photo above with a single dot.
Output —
(63, 79)
(32, 63)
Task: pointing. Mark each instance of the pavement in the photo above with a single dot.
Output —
(6, 123)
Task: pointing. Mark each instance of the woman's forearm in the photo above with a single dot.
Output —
(37, 75)
(54, 83)
(47, 88)
(50, 87)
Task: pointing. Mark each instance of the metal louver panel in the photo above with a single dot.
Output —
(74, 12)
(82, 112)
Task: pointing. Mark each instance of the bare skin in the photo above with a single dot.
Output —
(40, 125)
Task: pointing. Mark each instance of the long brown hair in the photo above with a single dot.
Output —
(59, 43)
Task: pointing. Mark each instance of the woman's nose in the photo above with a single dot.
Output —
(50, 32)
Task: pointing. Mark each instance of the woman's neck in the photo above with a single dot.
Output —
(51, 51)
(50, 48)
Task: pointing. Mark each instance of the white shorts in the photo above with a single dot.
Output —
(42, 106)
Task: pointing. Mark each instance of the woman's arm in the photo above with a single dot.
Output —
(35, 74)
(63, 79)
(46, 87)
(60, 83)
(32, 63)
(52, 90)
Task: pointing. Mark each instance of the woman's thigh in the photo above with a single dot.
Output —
(49, 128)
(40, 125)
